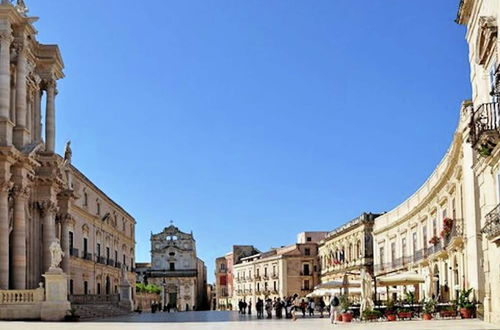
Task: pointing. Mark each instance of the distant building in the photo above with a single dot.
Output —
(348, 249)
(224, 275)
(280, 272)
(176, 268)
(311, 236)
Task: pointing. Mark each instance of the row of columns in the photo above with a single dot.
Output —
(21, 135)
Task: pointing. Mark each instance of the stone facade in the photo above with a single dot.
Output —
(347, 250)
(280, 272)
(176, 268)
(482, 19)
(224, 278)
(42, 193)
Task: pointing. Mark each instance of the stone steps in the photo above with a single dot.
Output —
(98, 311)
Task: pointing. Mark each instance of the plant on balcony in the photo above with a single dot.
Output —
(485, 150)
(370, 315)
(448, 311)
(447, 227)
(404, 313)
(428, 308)
(434, 240)
(466, 307)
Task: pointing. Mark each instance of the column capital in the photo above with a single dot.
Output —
(20, 46)
(47, 207)
(66, 219)
(6, 186)
(6, 36)
(49, 83)
(20, 191)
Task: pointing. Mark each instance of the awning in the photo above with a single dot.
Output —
(338, 285)
(401, 279)
(320, 293)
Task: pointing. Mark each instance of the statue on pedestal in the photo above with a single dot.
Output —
(56, 255)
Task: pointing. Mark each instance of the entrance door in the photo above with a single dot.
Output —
(172, 299)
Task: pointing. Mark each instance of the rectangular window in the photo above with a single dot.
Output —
(308, 239)
(275, 286)
(306, 284)
(172, 266)
(98, 288)
(71, 240)
(265, 271)
(70, 286)
(307, 251)
(98, 250)
(305, 268)
(434, 227)
(85, 247)
(381, 256)
(393, 253)
(414, 237)
(107, 254)
(86, 287)
(403, 249)
(424, 236)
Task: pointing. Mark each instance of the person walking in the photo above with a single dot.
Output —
(250, 307)
(334, 307)
(311, 307)
(269, 308)
(321, 307)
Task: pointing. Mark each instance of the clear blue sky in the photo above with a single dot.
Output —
(250, 121)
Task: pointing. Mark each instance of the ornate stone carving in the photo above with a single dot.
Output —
(21, 7)
(5, 186)
(486, 38)
(20, 191)
(6, 37)
(47, 207)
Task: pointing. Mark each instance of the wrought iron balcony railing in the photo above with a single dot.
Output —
(491, 228)
(73, 252)
(485, 127)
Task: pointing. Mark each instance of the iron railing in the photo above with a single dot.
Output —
(484, 120)
(73, 252)
(491, 228)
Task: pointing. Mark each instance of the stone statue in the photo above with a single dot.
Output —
(366, 291)
(21, 7)
(428, 283)
(68, 152)
(56, 254)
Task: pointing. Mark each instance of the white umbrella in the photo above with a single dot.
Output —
(401, 279)
(338, 285)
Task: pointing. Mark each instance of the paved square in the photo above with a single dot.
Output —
(231, 320)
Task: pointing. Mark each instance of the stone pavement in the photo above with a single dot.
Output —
(231, 320)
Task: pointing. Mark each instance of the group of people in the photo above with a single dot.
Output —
(290, 307)
(157, 307)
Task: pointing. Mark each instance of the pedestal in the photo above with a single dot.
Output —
(56, 304)
(126, 297)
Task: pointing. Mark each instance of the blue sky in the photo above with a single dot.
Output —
(250, 121)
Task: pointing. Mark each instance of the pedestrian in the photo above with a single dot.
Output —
(250, 307)
(259, 306)
(321, 306)
(311, 307)
(334, 306)
(278, 307)
(303, 306)
(294, 308)
(269, 308)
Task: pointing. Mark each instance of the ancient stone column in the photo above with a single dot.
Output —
(48, 210)
(4, 235)
(20, 131)
(5, 126)
(50, 120)
(65, 224)
(19, 237)
(38, 109)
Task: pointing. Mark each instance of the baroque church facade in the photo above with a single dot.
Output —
(176, 269)
(43, 197)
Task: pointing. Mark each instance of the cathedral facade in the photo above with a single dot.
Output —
(176, 269)
(43, 197)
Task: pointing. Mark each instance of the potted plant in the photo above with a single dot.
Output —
(71, 315)
(390, 311)
(370, 315)
(404, 313)
(448, 311)
(465, 306)
(345, 312)
(428, 309)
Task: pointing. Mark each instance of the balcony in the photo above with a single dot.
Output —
(110, 262)
(87, 256)
(275, 276)
(485, 128)
(491, 228)
(101, 260)
(118, 265)
(305, 273)
(258, 277)
(74, 252)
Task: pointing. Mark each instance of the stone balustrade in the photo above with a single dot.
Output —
(21, 297)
